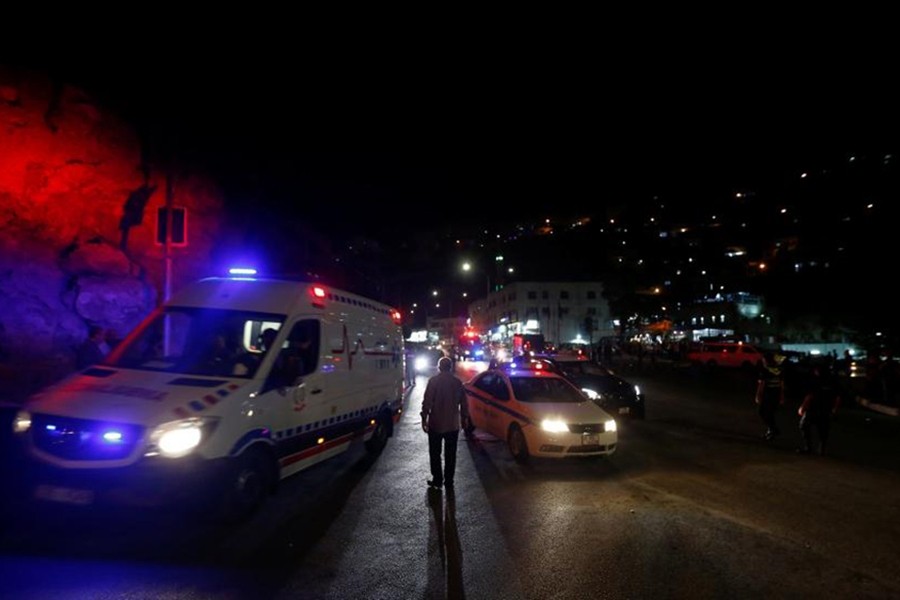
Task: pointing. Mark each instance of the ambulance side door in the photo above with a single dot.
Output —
(296, 372)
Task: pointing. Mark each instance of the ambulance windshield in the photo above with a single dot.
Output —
(199, 341)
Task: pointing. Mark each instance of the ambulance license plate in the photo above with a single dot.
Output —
(590, 440)
(64, 495)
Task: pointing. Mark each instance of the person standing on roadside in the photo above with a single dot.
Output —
(444, 412)
(822, 401)
(770, 393)
(93, 349)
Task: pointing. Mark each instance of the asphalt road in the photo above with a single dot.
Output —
(694, 504)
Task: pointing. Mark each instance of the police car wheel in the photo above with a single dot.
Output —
(518, 446)
(248, 486)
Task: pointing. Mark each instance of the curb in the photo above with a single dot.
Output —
(882, 408)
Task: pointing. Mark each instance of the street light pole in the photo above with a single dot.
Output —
(467, 266)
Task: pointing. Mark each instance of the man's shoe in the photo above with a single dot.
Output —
(431, 483)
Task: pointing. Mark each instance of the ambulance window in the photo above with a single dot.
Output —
(303, 345)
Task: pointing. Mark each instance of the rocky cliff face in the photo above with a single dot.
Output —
(78, 226)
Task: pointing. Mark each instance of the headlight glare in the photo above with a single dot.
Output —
(554, 425)
(590, 393)
(22, 422)
(609, 426)
(179, 438)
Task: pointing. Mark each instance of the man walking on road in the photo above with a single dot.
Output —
(818, 405)
(770, 393)
(444, 411)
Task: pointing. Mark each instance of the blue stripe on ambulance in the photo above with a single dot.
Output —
(301, 442)
(494, 404)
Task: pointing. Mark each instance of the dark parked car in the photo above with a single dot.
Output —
(612, 393)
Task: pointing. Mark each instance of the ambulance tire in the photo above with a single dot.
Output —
(249, 483)
(376, 443)
(518, 445)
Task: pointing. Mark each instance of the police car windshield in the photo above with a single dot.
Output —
(544, 389)
(198, 341)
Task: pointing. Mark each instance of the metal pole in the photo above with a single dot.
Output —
(167, 255)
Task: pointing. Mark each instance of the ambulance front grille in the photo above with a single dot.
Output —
(81, 439)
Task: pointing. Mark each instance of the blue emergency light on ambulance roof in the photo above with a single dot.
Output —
(242, 271)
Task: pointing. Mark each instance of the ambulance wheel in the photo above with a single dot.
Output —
(247, 486)
(378, 441)
(518, 446)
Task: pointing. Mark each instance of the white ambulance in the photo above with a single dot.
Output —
(200, 402)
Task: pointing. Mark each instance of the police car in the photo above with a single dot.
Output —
(538, 413)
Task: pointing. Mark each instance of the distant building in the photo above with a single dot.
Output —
(445, 330)
(721, 315)
(560, 311)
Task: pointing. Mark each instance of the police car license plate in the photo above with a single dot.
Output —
(64, 495)
(624, 410)
(590, 440)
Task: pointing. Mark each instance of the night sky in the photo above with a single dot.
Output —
(369, 141)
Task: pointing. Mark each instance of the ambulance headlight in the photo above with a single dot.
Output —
(179, 438)
(22, 422)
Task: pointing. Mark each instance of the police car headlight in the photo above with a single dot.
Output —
(22, 422)
(590, 393)
(179, 438)
(554, 425)
(609, 426)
